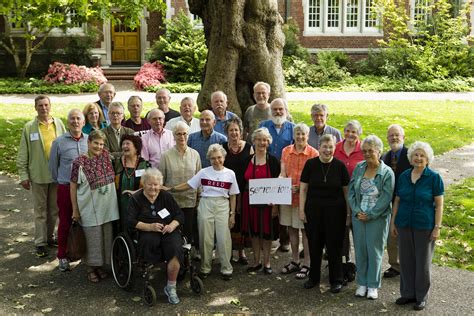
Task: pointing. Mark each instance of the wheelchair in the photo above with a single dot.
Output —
(126, 265)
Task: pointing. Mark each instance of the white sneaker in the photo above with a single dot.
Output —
(361, 291)
(372, 294)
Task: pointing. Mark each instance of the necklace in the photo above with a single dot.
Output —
(234, 152)
(126, 169)
(327, 171)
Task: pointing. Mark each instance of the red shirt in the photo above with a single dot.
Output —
(351, 160)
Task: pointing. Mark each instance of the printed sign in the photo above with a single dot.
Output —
(270, 191)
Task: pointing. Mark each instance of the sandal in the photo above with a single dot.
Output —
(243, 261)
(101, 273)
(92, 276)
(290, 268)
(304, 272)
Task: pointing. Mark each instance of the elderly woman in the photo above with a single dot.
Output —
(179, 164)
(129, 171)
(370, 197)
(323, 208)
(216, 210)
(293, 159)
(416, 221)
(157, 216)
(94, 203)
(94, 118)
(238, 152)
(257, 220)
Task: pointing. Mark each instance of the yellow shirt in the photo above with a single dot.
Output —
(48, 135)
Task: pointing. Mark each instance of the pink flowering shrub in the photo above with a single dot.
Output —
(150, 74)
(74, 74)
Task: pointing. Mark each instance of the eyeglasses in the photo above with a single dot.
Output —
(181, 134)
(116, 113)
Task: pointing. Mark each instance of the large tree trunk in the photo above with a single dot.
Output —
(245, 45)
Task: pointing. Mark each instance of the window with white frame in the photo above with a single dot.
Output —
(340, 17)
(76, 26)
(420, 12)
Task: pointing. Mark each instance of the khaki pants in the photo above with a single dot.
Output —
(392, 251)
(46, 211)
(213, 219)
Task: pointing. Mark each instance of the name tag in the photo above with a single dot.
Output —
(139, 172)
(163, 213)
(34, 136)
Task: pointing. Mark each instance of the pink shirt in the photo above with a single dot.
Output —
(154, 145)
(350, 161)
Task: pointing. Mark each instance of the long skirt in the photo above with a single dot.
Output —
(99, 244)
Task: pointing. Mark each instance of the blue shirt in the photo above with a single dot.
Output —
(220, 124)
(63, 152)
(87, 129)
(280, 139)
(417, 206)
(198, 142)
(105, 111)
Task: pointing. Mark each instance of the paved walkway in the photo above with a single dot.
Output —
(123, 93)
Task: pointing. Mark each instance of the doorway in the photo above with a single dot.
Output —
(125, 43)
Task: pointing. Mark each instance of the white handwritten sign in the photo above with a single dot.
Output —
(270, 190)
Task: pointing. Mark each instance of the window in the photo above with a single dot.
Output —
(421, 11)
(340, 17)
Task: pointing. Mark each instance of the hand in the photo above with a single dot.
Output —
(302, 216)
(76, 216)
(169, 228)
(363, 217)
(127, 192)
(231, 221)
(295, 188)
(165, 188)
(156, 227)
(435, 233)
(393, 231)
(26, 184)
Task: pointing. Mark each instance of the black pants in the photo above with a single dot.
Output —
(325, 227)
(190, 225)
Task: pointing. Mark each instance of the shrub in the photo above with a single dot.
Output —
(149, 75)
(39, 86)
(73, 74)
(182, 50)
(177, 87)
(292, 43)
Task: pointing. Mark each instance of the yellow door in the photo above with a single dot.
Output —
(125, 43)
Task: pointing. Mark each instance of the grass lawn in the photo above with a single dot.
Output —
(444, 124)
(456, 246)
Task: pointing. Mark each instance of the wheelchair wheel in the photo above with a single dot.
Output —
(149, 294)
(196, 285)
(122, 259)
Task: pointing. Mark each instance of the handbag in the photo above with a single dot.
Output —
(76, 242)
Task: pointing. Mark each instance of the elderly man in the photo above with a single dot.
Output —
(200, 141)
(157, 140)
(32, 163)
(319, 115)
(396, 158)
(187, 109)
(219, 108)
(136, 122)
(258, 112)
(279, 127)
(115, 130)
(163, 97)
(65, 149)
(106, 96)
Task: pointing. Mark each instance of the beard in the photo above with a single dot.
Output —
(395, 146)
(278, 120)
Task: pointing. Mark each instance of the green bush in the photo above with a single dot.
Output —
(292, 43)
(178, 87)
(181, 50)
(38, 86)
(434, 49)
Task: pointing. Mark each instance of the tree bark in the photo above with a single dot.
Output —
(245, 45)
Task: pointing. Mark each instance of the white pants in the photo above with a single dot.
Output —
(213, 219)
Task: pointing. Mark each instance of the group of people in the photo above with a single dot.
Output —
(170, 173)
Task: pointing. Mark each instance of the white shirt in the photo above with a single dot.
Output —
(215, 183)
(193, 127)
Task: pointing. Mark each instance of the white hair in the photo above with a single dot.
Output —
(422, 146)
(373, 141)
(300, 127)
(215, 148)
(355, 124)
(152, 173)
(180, 125)
(402, 131)
(263, 131)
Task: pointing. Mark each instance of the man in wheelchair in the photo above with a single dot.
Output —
(156, 215)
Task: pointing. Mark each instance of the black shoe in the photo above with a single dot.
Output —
(419, 306)
(256, 268)
(302, 254)
(203, 275)
(336, 288)
(267, 270)
(309, 284)
(41, 252)
(226, 277)
(405, 300)
(391, 273)
(243, 261)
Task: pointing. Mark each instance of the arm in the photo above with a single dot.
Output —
(352, 194)
(439, 202)
(22, 161)
(303, 193)
(232, 204)
(393, 228)
(54, 161)
(181, 187)
(75, 207)
(345, 190)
